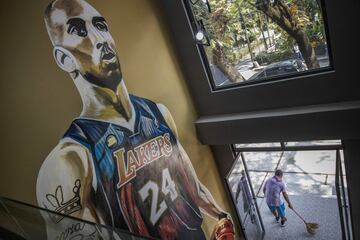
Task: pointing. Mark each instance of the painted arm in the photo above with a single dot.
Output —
(204, 198)
(63, 186)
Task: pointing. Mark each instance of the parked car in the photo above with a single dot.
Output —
(280, 68)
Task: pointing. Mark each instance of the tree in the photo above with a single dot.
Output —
(296, 22)
(221, 19)
(223, 31)
(286, 18)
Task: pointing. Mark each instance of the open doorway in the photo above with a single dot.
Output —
(315, 181)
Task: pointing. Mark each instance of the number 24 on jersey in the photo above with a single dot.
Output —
(167, 188)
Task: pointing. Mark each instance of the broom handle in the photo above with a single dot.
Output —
(299, 215)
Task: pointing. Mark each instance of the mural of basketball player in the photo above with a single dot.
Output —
(120, 162)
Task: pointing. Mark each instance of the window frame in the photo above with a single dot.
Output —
(273, 78)
(284, 92)
(293, 92)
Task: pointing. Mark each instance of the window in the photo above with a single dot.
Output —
(325, 85)
(314, 178)
(241, 39)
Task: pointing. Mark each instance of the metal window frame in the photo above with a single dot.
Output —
(338, 84)
(284, 147)
(346, 226)
(240, 157)
(342, 194)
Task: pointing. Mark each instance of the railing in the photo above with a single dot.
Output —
(23, 221)
(286, 146)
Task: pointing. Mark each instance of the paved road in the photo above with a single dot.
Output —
(245, 68)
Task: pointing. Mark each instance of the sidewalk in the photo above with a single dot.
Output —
(311, 171)
(314, 209)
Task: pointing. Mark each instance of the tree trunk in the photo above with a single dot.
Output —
(261, 26)
(306, 50)
(220, 60)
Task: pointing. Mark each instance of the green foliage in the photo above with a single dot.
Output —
(266, 58)
(284, 42)
(310, 12)
(224, 26)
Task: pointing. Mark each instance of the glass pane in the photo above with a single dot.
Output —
(312, 162)
(22, 221)
(257, 179)
(244, 200)
(252, 226)
(262, 161)
(257, 145)
(300, 183)
(312, 143)
(248, 41)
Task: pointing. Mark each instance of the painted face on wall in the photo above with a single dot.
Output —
(81, 37)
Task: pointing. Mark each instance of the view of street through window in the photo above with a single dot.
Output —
(260, 39)
(309, 176)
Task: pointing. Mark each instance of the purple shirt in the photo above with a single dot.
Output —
(273, 188)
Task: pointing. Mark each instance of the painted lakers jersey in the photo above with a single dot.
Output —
(141, 182)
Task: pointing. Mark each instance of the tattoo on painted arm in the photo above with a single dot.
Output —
(78, 231)
(58, 205)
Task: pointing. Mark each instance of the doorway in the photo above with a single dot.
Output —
(315, 181)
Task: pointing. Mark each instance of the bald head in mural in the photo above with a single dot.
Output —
(120, 162)
(85, 49)
(82, 42)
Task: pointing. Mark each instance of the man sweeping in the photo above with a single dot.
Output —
(273, 188)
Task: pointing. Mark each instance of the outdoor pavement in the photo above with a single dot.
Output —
(315, 170)
(313, 208)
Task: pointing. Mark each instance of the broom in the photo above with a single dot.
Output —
(310, 227)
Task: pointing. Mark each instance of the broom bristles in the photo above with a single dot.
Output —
(311, 227)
